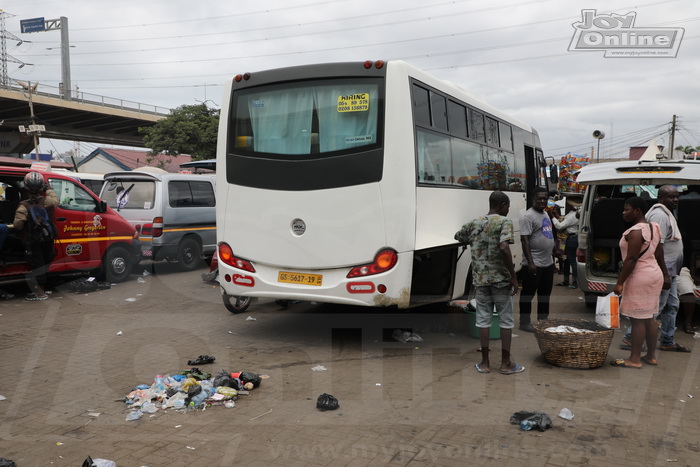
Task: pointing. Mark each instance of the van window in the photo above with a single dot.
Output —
(72, 197)
(187, 194)
(94, 185)
(140, 194)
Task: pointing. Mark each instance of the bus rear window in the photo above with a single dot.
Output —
(324, 117)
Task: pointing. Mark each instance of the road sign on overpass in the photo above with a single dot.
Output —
(32, 25)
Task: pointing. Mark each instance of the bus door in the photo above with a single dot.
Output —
(536, 168)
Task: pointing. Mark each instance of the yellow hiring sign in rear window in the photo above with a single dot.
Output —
(354, 102)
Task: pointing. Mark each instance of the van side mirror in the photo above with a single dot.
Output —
(102, 207)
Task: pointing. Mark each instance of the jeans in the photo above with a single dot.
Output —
(570, 250)
(541, 283)
(668, 309)
(668, 314)
(4, 230)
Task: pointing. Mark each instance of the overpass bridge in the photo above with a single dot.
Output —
(86, 117)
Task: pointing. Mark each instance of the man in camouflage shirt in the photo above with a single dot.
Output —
(494, 277)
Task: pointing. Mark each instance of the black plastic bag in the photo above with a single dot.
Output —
(531, 420)
(327, 402)
(83, 285)
(191, 392)
(224, 379)
(248, 377)
(8, 463)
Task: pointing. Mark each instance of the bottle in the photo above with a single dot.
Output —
(527, 425)
(159, 383)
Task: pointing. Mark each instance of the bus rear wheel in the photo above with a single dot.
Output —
(236, 304)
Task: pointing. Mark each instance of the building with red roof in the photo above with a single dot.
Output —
(105, 160)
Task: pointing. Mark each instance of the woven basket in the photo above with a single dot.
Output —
(573, 349)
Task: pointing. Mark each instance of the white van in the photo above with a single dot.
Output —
(93, 181)
(175, 214)
(601, 224)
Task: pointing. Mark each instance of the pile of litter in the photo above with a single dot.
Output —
(567, 329)
(192, 389)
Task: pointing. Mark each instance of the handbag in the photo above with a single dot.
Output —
(607, 311)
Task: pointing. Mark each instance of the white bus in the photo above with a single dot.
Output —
(346, 182)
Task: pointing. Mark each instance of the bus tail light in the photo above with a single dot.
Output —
(580, 255)
(226, 256)
(383, 261)
(379, 64)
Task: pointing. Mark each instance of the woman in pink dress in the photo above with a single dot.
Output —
(643, 276)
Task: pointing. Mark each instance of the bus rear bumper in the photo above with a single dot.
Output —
(380, 290)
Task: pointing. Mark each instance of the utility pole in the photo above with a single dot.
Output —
(673, 137)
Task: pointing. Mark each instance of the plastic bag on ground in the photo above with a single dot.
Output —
(531, 420)
(133, 415)
(90, 462)
(406, 336)
(326, 402)
(248, 377)
(149, 407)
(566, 414)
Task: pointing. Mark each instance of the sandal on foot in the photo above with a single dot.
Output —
(674, 348)
(688, 329)
(517, 369)
(646, 360)
(481, 370)
(620, 362)
(36, 298)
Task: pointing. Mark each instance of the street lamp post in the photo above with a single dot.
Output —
(597, 134)
(33, 128)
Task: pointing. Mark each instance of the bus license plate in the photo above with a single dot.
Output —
(298, 278)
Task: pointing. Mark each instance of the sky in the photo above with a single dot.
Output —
(514, 54)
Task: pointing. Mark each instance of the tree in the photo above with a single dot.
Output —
(687, 149)
(189, 129)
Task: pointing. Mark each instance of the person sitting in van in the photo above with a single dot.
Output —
(39, 250)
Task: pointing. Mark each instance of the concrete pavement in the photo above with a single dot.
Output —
(66, 370)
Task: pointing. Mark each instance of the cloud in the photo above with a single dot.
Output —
(512, 53)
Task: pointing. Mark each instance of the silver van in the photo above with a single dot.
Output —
(175, 214)
(601, 225)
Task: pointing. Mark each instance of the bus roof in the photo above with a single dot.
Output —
(673, 172)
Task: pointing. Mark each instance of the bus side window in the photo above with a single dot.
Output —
(465, 157)
(433, 157)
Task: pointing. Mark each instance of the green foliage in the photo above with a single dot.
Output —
(189, 129)
(687, 149)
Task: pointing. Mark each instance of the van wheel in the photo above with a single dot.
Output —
(117, 264)
(236, 304)
(189, 254)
